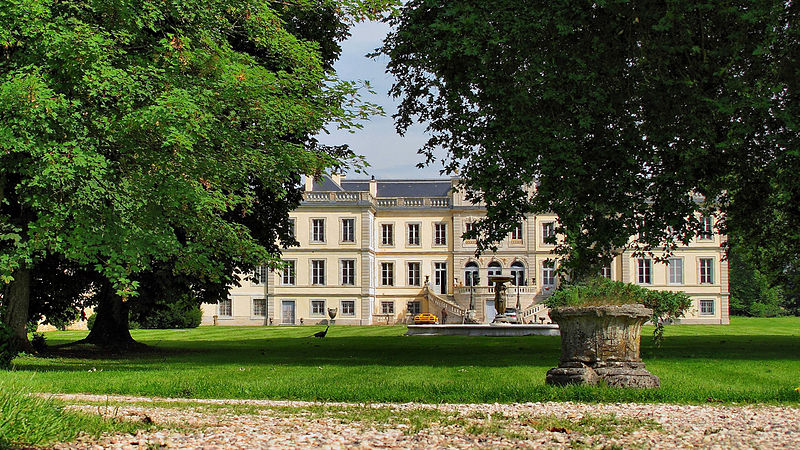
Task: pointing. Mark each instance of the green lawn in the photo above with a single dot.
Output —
(751, 360)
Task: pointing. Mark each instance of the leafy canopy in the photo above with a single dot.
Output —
(135, 134)
(623, 118)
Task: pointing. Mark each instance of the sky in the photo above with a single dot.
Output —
(389, 154)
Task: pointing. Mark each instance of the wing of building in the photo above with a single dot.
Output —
(380, 251)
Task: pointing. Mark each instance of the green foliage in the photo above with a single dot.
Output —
(626, 117)
(599, 291)
(172, 315)
(133, 134)
(39, 342)
(28, 421)
(8, 350)
(752, 290)
(90, 321)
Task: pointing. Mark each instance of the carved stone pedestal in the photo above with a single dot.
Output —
(601, 343)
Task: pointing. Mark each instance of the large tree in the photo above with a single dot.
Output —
(627, 117)
(134, 135)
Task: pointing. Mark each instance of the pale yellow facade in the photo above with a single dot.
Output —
(380, 251)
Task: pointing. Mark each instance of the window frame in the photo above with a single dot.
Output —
(260, 280)
(384, 273)
(343, 229)
(645, 270)
(341, 306)
(440, 241)
(514, 269)
(706, 229)
(342, 271)
(384, 309)
(551, 224)
(313, 277)
(291, 264)
(417, 308)
(549, 267)
(470, 268)
(708, 277)
(312, 230)
(311, 304)
(700, 303)
(229, 302)
(409, 272)
(253, 312)
(670, 271)
(387, 226)
(409, 242)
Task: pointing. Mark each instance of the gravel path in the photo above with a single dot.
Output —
(282, 424)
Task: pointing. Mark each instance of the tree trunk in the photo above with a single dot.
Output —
(110, 328)
(18, 294)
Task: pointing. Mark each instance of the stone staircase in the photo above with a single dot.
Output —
(535, 312)
(443, 303)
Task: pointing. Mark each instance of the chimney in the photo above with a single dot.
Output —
(337, 178)
(373, 187)
(309, 183)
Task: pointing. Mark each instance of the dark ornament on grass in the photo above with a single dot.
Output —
(601, 343)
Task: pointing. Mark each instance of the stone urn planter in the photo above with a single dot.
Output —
(601, 343)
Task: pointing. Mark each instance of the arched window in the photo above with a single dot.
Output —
(495, 268)
(518, 272)
(471, 275)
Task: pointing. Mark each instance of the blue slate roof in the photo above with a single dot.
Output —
(388, 188)
(413, 188)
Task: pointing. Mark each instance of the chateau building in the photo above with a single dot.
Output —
(380, 251)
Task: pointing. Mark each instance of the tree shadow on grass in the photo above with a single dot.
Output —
(446, 351)
(725, 347)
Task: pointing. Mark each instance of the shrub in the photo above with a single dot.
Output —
(173, 315)
(90, 321)
(8, 350)
(39, 342)
(666, 305)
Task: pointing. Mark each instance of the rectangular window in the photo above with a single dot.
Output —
(707, 307)
(317, 230)
(292, 228)
(317, 307)
(440, 277)
(440, 234)
(318, 271)
(605, 271)
(548, 231)
(414, 307)
(387, 234)
(289, 269)
(260, 275)
(706, 228)
(548, 275)
(226, 308)
(387, 307)
(387, 274)
(413, 274)
(260, 307)
(516, 233)
(348, 308)
(348, 272)
(645, 271)
(348, 230)
(413, 234)
(675, 271)
(706, 271)
(468, 227)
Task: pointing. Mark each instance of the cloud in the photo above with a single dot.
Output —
(389, 154)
